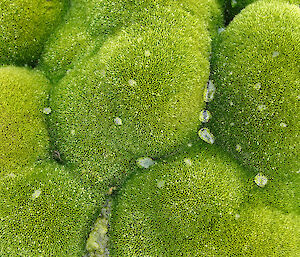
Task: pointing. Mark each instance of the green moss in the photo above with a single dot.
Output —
(25, 26)
(170, 209)
(46, 210)
(23, 133)
(255, 113)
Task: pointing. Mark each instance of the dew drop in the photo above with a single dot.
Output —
(237, 216)
(145, 162)
(260, 180)
(275, 54)
(188, 162)
(72, 132)
(47, 110)
(160, 183)
(204, 116)
(132, 82)
(147, 53)
(283, 125)
(118, 121)
(238, 148)
(220, 30)
(209, 92)
(36, 194)
(257, 86)
(261, 107)
(206, 135)
(189, 144)
(231, 124)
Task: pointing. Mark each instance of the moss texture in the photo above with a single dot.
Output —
(23, 133)
(25, 25)
(255, 113)
(170, 209)
(46, 210)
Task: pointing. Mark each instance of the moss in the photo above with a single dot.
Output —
(23, 133)
(25, 26)
(169, 210)
(46, 210)
(255, 111)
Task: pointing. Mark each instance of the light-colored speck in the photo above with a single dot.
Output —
(238, 148)
(231, 103)
(189, 144)
(231, 124)
(206, 135)
(220, 30)
(118, 121)
(257, 86)
(145, 162)
(275, 54)
(237, 216)
(204, 116)
(283, 125)
(188, 162)
(36, 194)
(260, 180)
(147, 53)
(233, 3)
(160, 183)
(261, 107)
(132, 82)
(47, 110)
(209, 91)
(72, 132)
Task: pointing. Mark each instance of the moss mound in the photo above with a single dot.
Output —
(23, 133)
(170, 209)
(25, 26)
(45, 210)
(255, 111)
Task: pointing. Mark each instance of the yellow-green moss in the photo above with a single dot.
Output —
(23, 133)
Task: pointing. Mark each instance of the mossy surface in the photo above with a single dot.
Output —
(46, 210)
(25, 26)
(23, 133)
(255, 111)
(170, 209)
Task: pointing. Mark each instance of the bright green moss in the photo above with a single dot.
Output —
(170, 209)
(45, 210)
(24, 27)
(256, 108)
(141, 94)
(23, 133)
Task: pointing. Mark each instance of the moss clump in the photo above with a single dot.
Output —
(25, 26)
(255, 111)
(170, 209)
(45, 210)
(23, 133)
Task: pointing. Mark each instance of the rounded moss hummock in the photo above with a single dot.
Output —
(23, 107)
(256, 108)
(169, 210)
(46, 210)
(25, 26)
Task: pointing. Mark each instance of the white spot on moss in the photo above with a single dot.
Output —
(189, 144)
(160, 183)
(36, 194)
(118, 121)
(147, 53)
(261, 107)
(145, 162)
(237, 216)
(188, 162)
(238, 148)
(231, 103)
(206, 135)
(132, 82)
(72, 132)
(220, 30)
(231, 124)
(275, 54)
(257, 86)
(260, 180)
(233, 3)
(204, 116)
(283, 125)
(209, 91)
(47, 110)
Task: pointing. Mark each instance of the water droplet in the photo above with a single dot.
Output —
(209, 91)
(257, 86)
(206, 135)
(132, 82)
(260, 180)
(275, 54)
(283, 125)
(145, 162)
(118, 121)
(261, 107)
(231, 124)
(231, 103)
(204, 116)
(189, 144)
(220, 30)
(188, 162)
(72, 132)
(238, 148)
(237, 216)
(160, 183)
(233, 3)
(36, 194)
(47, 110)
(147, 53)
